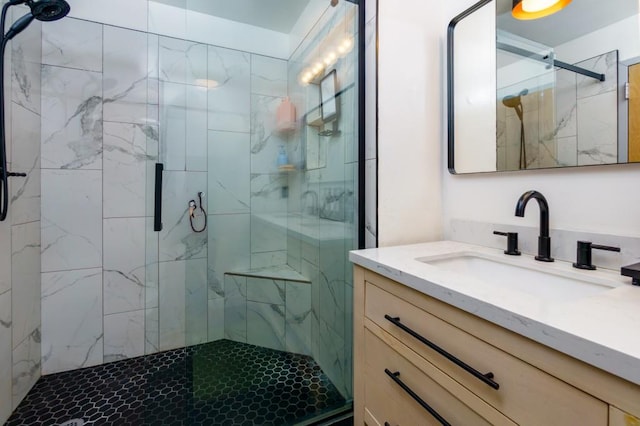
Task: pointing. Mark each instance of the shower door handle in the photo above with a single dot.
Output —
(157, 209)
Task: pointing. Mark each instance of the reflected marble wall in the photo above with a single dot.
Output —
(575, 123)
(20, 283)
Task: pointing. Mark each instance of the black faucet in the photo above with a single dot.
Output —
(544, 241)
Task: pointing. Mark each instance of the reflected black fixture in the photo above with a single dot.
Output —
(42, 10)
(583, 256)
(512, 242)
(515, 102)
(544, 241)
(632, 271)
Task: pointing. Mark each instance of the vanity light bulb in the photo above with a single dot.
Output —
(330, 59)
(317, 68)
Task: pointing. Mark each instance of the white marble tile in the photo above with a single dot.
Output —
(26, 67)
(183, 61)
(72, 43)
(71, 119)
(71, 320)
(5, 255)
(124, 265)
(298, 318)
(331, 356)
(124, 335)
(606, 64)
(267, 237)
(125, 75)
(71, 219)
(125, 168)
(267, 195)
(173, 125)
(331, 283)
(265, 325)
(25, 192)
(371, 106)
(235, 308)
(268, 76)
(266, 141)
(567, 151)
(229, 172)
(25, 271)
(195, 299)
(26, 366)
(229, 93)
(229, 247)
(268, 259)
(371, 207)
(183, 130)
(172, 310)
(5, 356)
(566, 104)
(177, 239)
(197, 134)
(265, 291)
(151, 336)
(216, 319)
(598, 129)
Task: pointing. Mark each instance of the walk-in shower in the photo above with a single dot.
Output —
(42, 10)
(206, 280)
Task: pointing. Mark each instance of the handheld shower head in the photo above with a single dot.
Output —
(49, 10)
(513, 101)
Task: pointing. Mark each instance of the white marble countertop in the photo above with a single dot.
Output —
(601, 330)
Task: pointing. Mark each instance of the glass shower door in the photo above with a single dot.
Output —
(248, 277)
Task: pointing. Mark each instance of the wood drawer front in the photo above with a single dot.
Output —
(526, 395)
(388, 402)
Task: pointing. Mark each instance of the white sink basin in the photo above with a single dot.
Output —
(550, 281)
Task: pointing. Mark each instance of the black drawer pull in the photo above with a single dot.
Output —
(395, 377)
(485, 378)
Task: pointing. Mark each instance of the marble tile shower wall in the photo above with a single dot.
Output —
(324, 261)
(572, 124)
(115, 102)
(20, 324)
(96, 140)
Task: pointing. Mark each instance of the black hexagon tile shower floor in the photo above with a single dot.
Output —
(219, 383)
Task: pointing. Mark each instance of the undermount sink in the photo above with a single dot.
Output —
(557, 283)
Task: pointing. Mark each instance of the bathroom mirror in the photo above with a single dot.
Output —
(557, 91)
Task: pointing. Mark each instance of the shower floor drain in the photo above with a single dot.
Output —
(74, 422)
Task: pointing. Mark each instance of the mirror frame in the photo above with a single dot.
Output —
(450, 88)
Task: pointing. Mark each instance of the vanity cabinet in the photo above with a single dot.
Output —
(413, 353)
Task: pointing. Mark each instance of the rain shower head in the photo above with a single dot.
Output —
(43, 10)
(512, 101)
(49, 10)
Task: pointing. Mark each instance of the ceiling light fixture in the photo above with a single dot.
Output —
(534, 9)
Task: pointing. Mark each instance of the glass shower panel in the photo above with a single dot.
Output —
(526, 91)
(249, 272)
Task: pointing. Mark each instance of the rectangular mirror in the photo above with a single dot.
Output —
(557, 91)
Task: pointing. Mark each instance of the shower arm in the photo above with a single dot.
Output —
(531, 55)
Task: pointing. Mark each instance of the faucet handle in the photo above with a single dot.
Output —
(583, 256)
(512, 242)
(632, 271)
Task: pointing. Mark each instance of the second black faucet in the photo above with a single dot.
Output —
(544, 241)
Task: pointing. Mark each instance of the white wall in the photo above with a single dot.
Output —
(410, 143)
(418, 195)
(602, 199)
